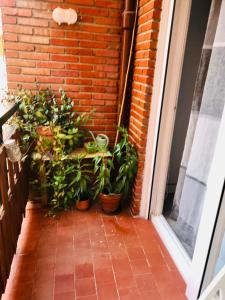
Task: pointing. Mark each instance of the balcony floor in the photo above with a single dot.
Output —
(91, 256)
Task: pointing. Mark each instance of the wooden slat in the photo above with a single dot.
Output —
(14, 193)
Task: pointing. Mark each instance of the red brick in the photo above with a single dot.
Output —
(34, 71)
(41, 31)
(20, 63)
(9, 20)
(13, 70)
(34, 56)
(51, 65)
(79, 51)
(49, 49)
(80, 35)
(64, 73)
(12, 11)
(92, 74)
(57, 33)
(10, 37)
(42, 14)
(19, 46)
(93, 60)
(34, 39)
(64, 43)
(106, 53)
(87, 44)
(8, 3)
(78, 81)
(79, 67)
(10, 53)
(49, 80)
(32, 22)
(94, 28)
(94, 11)
(66, 58)
(82, 2)
(108, 4)
(21, 78)
(108, 21)
(17, 29)
(32, 4)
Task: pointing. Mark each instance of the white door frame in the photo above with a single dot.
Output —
(216, 289)
(216, 244)
(182, 14)
(157, 96)
(209, 213)
(153, 124)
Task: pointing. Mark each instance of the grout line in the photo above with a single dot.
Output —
(117, 290)
(92, 262)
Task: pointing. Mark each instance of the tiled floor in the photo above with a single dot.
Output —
(89, 256)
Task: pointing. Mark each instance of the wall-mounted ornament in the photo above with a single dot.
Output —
(61, 15)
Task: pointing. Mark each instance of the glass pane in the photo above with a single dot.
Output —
(196, 127)
(220, 262)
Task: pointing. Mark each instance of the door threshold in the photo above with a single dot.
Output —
(173, 246)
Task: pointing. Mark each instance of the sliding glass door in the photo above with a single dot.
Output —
(188, 173)
(190, 156)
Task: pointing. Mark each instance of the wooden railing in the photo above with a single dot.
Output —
(13, 197)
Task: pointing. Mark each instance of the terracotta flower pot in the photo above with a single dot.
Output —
(45, 131)
(45, 138)
(83, 204)
(110, 203)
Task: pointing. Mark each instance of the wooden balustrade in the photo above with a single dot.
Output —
(13, 197)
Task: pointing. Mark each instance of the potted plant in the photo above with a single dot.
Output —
(60, 183)
(68, 181)
(81, 182)
(42, 115)
(50, 127)
(115, 175)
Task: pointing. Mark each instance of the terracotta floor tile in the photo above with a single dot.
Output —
(130, 294)
(64, 268)
(140, 266)
(65, 296)
(93, 297)
(145, 282)
(42, 294)
(91, 256)
(162, 277)
(85, 287)
(15, 296)
(169, 291)
(102, 260)
(104, 275)
(121, 266)
(152, 295)
(135, 253)
(44, 276)
(125, 281)
(115, 241)
(84, 270)
(82, 256)
(107, 291)
(85, 244)
(19, 290)
(64, 283)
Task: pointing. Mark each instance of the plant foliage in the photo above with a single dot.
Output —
(116, 174)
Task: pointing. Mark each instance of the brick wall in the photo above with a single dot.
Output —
(144, 63)
(83, 58)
